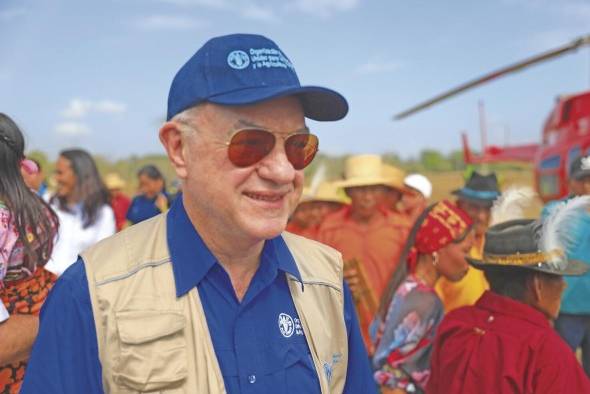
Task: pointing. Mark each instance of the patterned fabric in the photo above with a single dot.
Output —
(11, 249)
(402, 358)
(25, 296)
(444, 223)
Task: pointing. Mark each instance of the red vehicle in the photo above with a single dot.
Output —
(566, 134)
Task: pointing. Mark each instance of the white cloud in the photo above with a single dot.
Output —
(270, 11)
(219, 4)
(377, 66)
(325, 8)
(256, 12)
(72, 129)
(110, 107)
(11, 13)
(79, 108)
(168, 22)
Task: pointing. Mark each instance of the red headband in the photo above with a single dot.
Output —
(444, 224)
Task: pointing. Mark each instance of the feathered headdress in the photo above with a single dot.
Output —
(512, 203)
(566, 229)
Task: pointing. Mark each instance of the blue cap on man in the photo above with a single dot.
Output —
(242, 69)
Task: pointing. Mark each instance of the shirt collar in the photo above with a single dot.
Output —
(192, 259)
(507, 306)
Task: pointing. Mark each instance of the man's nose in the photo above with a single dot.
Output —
(276, 166)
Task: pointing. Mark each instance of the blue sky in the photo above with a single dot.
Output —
(96, 74)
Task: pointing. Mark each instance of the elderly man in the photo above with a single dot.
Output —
(476, 198)
(369, 235)
(505, 342)
(213, 297)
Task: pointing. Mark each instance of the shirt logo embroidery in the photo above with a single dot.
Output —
(329, 367)
(286, 325)
(238, 60)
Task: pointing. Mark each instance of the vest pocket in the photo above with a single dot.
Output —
(152, 350)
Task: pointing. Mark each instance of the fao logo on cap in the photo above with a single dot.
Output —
(238, 60)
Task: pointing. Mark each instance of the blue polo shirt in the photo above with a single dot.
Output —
(143, 208)
(259, 342)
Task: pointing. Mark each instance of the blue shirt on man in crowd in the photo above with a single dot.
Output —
(256, 353)
(143, 208)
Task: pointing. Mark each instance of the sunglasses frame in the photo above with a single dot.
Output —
(303, 131)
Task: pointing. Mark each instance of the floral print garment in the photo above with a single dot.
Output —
(11, 250)
(402, 358)
(21, 291)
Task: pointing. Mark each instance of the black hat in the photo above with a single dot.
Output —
(580, 167)
(480, 189)
(515, 244)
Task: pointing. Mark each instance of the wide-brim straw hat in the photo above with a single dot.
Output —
(330, 192)
(369, 170)
(113, 181)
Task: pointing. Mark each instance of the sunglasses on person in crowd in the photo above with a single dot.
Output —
(248, 146)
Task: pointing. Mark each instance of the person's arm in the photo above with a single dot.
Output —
(64, 359)
(17, 334)
(359, 377)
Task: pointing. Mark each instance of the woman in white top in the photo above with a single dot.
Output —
(82, 206)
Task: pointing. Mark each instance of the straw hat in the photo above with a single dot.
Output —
(395, 177)
(113, 181)
(330, 192)
(363, 170)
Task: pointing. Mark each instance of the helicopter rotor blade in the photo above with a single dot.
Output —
(574, 45)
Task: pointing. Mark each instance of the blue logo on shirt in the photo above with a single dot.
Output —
(329, 367)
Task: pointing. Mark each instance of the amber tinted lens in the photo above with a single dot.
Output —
(301, 149)
(249, 146)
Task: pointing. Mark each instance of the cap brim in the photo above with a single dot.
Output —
(319, 103)
(574, 267)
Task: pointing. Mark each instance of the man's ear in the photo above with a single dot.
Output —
(174, 143)
(536, 288)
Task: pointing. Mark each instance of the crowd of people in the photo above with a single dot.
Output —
(247, 281)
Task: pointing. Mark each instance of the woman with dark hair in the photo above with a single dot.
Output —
(82, 205)
(27, 230)
(153, 198)
(411, 311)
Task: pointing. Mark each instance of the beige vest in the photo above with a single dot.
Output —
(151, 341)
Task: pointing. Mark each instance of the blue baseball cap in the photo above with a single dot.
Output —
(241, 69)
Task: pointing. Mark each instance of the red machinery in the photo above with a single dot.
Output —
(566, 134)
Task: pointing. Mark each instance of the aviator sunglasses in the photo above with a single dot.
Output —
(250, 145)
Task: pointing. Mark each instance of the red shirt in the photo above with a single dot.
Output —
(310, 232)
(120, 204)
(502, 346)
(377, 245)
